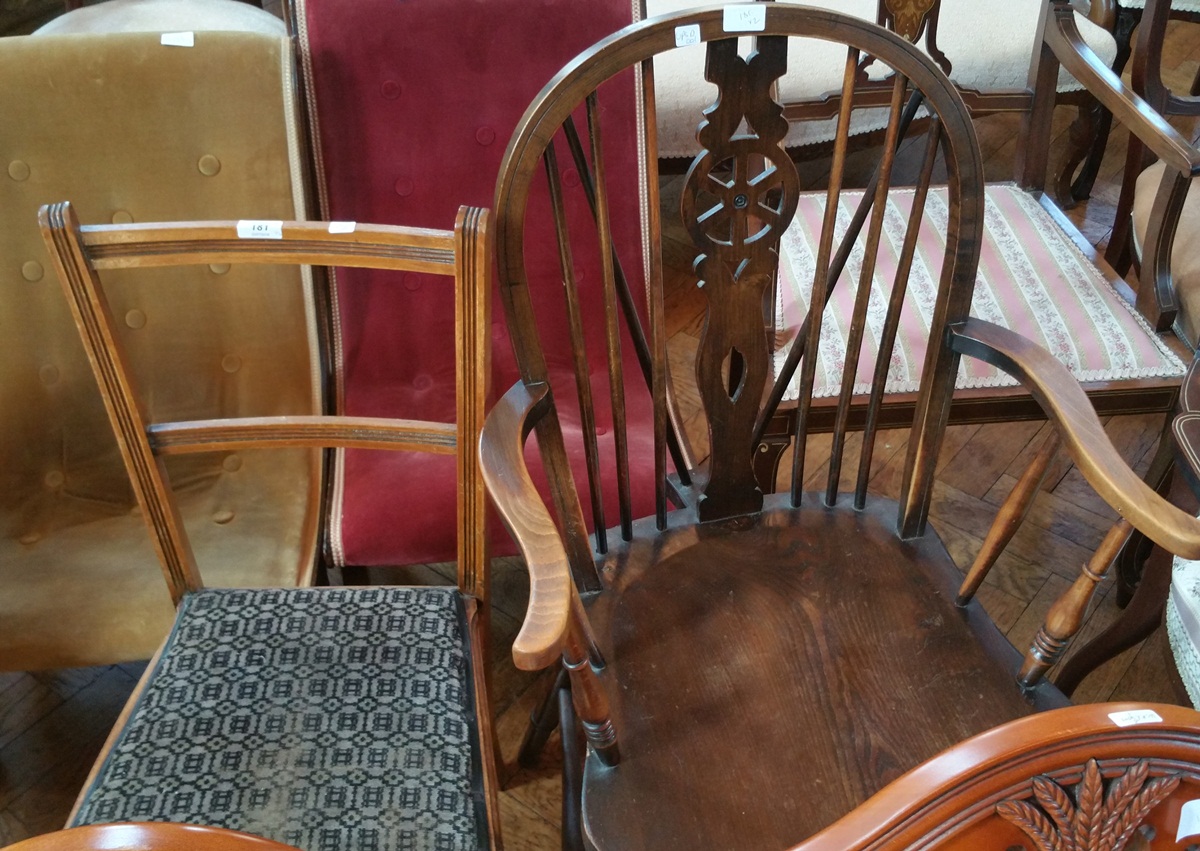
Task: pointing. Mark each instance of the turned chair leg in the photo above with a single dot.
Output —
(572, 770)
(542, 722)
(1009, 518)
(1141, 617)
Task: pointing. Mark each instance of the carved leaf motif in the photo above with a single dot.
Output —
(1090, 813)
(1057, 804)
(1121, 794)
(1094, 821)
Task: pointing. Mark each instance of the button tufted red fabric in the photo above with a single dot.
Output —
(412, 105)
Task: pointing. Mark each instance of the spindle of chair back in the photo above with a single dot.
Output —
(738, 198)
(462, 255)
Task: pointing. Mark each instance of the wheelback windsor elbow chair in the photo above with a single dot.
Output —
(357, 717)
(753, 667)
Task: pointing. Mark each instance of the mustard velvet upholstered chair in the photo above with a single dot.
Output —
(137, 130)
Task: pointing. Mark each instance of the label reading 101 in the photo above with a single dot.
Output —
(259, 229)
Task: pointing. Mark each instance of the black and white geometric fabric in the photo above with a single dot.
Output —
(331, 719)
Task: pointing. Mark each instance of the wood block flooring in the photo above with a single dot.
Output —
(52, 723)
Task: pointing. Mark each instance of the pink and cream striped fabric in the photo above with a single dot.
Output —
(1032, 279)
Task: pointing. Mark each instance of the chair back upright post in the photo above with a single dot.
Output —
(79, 253)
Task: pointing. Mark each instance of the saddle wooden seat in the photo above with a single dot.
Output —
(749, 668)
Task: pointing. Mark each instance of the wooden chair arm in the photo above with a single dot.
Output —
(161, 836)
(1062, 36)
(1069, 408)
(502, 458)
(955, 794)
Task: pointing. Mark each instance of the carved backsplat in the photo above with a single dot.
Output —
(1092, 820)
(739, 196)
(909, 18)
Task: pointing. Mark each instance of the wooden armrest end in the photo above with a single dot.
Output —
(502, 457)
(1141, 119)
(1065, 403)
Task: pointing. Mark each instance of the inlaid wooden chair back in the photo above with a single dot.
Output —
(738, 198)
(462, 256)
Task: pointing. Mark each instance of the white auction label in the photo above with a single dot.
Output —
(1135, 716)
(687, 35)
(187, 39)
(342, 227)
(259, 229)
(1189, 820)
(745, 19)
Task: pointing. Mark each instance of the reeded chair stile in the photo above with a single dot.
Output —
(753, 666)
(317, 717)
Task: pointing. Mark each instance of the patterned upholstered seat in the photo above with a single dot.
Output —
(1032, 279)
(323, 718)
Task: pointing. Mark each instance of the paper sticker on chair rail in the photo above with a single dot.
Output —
(1135, 716)
(687, 35)
(259, 229)
(342, 227)
(745, 19)
(184, 39)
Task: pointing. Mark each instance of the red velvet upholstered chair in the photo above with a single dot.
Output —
(410, 106)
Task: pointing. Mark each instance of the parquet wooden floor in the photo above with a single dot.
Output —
(53, 723)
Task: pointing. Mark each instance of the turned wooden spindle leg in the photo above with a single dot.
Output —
(1066, 615)
(591, 703)
(1008, 519)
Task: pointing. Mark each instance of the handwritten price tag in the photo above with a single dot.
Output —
(1135, 716)
(751, 18)
(259, 229)
(688, 35)
(342, 227)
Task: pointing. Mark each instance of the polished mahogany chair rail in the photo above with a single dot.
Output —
(319, 717)
(749, 668)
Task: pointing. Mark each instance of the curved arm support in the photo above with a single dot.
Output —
(1062, 36)
(1065, 403)
(1156, 298)
(502, 457)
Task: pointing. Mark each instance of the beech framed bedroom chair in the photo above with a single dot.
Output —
(351, 717)
(80, 579)
(753, 667)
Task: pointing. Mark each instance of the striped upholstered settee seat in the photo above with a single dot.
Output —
(1032, 278)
